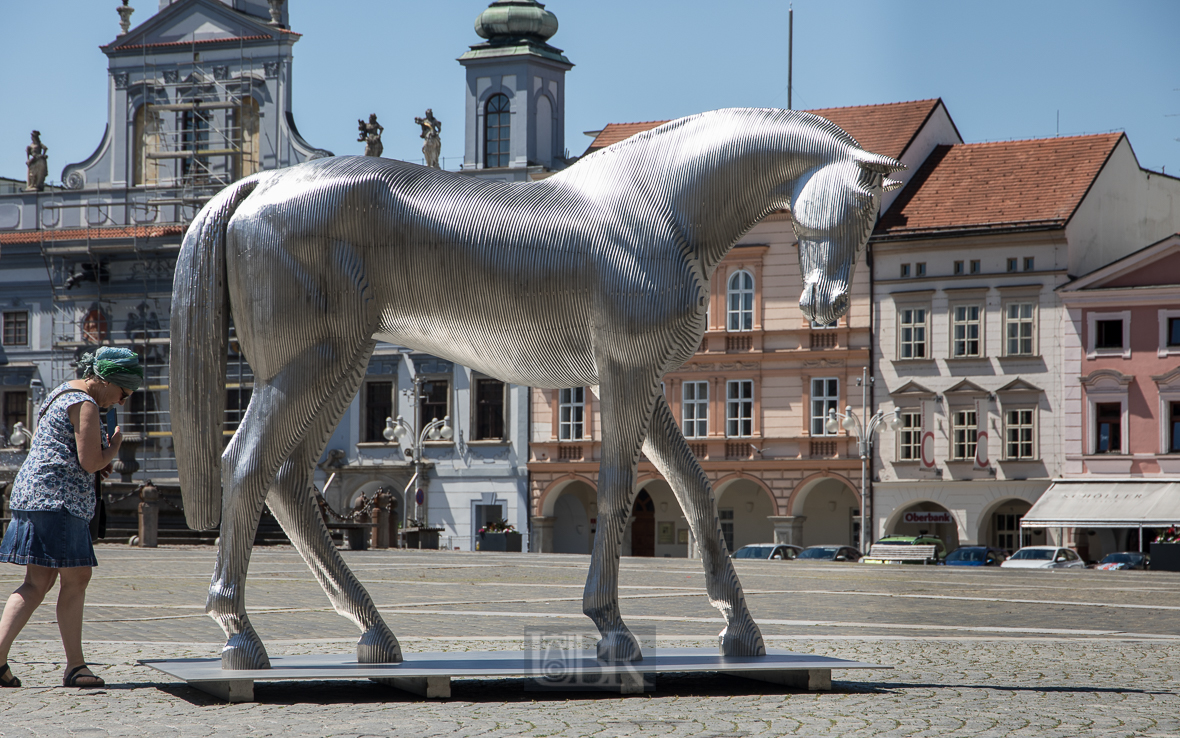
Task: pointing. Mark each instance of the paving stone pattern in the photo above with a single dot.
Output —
(974, 653)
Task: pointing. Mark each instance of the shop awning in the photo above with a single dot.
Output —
(1107, 504)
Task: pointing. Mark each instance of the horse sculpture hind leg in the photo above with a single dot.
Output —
(668, 450)
(626, 402)
(291, 502)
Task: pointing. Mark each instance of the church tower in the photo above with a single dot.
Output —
(515, 113)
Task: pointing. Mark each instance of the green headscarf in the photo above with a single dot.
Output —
(115, 365)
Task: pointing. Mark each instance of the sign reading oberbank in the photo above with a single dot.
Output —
(927, 517)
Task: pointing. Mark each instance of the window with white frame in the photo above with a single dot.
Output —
(16, 328)
(1019, 329)
(1169, 328)
(571, 413)
(1108, 427)
(488, 409)
(1108, 334)
(378, 407)
(1019, 434)
(825, 396)
(909, 436)
(739, 408)
(694, 409)
(740, 302)
(966, 331)
(912, 327)
(1174, 428)
(964, 433)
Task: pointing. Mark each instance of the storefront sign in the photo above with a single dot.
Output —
(927, 517)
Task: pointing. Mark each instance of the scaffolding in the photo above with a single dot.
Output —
(195, 132)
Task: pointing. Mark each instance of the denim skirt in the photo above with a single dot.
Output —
(53, 538)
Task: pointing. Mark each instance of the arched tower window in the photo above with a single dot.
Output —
(740, 301)
(497, 125)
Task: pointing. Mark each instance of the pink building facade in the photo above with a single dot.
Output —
(1121, 414)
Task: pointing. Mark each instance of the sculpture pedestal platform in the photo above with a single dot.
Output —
(429, 674)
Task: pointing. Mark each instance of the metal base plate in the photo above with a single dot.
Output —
(429, 674)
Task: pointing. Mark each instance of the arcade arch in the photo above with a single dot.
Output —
(657, 526)
(999, 525)
(574, 509)
(830, 507)
(744, 508)
(947, 532)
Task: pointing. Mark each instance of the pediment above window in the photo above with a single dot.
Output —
(1169, 381)
(966, 388)
(911, 391)
(1018, 385)
(1106, 380)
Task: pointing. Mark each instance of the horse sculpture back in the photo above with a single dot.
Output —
(596, 276)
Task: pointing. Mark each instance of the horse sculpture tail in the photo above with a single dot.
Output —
(200, 337)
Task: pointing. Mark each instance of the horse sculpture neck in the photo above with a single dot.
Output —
(719, 173)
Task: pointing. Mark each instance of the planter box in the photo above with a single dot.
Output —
(1165, 556)
(425, 538)
(500, 541)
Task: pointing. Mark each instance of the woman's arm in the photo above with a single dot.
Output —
(88, 434)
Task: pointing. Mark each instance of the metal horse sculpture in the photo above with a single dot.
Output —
(596, 276)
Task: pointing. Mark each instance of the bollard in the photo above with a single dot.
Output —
(380, 518)
(149, 515)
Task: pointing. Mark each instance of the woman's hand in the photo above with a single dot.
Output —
(106, 470)
(87, 421)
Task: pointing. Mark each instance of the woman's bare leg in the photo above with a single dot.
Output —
(21, 604)
(71, 601)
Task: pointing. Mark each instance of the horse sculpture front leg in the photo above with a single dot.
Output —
(626, 410)
(666, 447)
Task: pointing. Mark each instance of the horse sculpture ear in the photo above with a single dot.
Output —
(878, 163)
(889, 185)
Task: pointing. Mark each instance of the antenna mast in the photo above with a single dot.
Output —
(790, 49)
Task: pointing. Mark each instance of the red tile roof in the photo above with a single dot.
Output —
(615, 132)
(92, 234)
(883, 129)
(1006, 184)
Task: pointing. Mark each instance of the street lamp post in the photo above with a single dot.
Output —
(400, 429)
(864, 444)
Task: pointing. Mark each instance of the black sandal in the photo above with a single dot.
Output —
(82, 681)
(7, 678)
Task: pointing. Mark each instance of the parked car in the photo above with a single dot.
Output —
(784, 551)
(1044, 557)
(939, 549)
(830, 553)
(975, 556)
(1124, 560)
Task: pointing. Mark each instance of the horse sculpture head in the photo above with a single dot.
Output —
(834, 211)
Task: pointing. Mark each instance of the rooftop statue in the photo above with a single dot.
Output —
(37, 160)
(431, 127)
(371, 135)
(597, 276)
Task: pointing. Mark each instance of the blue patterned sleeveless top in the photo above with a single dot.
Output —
(52, 477)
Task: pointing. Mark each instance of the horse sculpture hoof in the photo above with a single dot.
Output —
(619, 645)
(743, 640)
(244, 650)
(378, 646)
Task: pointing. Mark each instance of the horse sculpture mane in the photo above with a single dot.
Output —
(597, 276)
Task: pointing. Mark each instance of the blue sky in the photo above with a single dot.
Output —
(1006, 69)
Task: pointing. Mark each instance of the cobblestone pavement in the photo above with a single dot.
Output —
(992, 653)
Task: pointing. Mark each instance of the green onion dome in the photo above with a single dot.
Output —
(506, 20)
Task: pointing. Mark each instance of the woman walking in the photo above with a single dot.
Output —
(53, 500)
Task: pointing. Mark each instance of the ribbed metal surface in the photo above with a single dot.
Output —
(598, 275)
